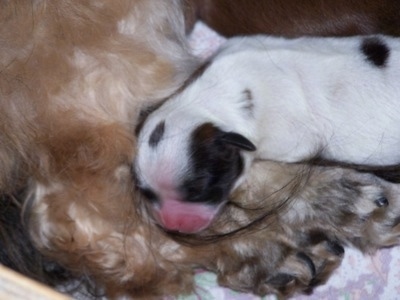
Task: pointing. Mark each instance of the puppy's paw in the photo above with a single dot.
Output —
(381, 226)
(354, 208)
(335, 196)
(367, 193)
(282, 264)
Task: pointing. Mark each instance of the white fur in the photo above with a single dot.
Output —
(309, 96)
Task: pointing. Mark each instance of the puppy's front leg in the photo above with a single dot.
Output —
(356, 208)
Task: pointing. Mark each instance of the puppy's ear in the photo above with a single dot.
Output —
(238, 140)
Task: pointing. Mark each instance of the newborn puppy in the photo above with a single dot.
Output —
(268, 98)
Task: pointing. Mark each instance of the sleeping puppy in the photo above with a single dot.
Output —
(272, 99)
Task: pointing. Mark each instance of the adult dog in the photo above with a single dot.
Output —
(74, 77)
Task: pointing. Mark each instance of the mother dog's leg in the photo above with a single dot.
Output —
(301, 219)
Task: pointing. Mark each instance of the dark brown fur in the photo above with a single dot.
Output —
(292, 18)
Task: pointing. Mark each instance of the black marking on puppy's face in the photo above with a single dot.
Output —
(144, 113)
(157, 134)
(375, 50)
(215, 165)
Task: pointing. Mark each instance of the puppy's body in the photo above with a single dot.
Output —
(334, 97)
(291, 100)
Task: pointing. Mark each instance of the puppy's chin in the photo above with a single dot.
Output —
(185, 217)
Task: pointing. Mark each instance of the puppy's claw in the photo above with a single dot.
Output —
(335, 248)
(382, 202)
(280, 280)
(308, 261)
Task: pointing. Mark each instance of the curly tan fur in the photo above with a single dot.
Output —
(75, 74)
(74, 77)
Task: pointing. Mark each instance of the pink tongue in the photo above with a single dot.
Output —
(185, 217)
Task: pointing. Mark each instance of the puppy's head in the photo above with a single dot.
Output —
(186, 168)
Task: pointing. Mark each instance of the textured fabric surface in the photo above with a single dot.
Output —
(360, 277)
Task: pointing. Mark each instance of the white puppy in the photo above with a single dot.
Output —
(269, 98)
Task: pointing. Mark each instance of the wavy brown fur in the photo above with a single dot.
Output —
(74, 77)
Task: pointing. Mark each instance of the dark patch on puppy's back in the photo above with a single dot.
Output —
(375, 50)
(157, 134)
